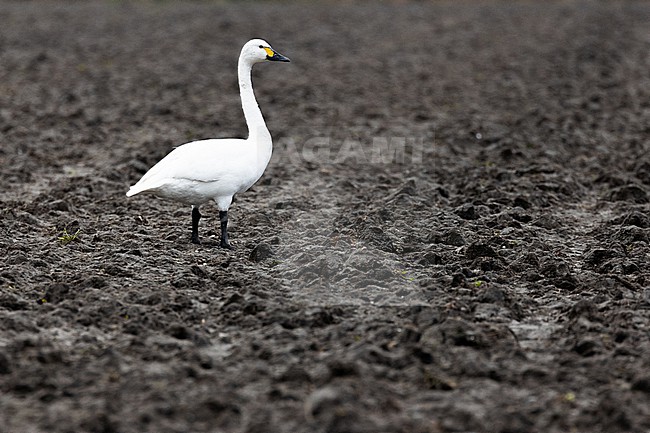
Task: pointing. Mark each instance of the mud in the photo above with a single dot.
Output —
(452, 234)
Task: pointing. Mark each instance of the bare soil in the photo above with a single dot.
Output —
(452, 235)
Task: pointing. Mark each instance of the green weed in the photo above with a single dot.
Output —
(66, 237)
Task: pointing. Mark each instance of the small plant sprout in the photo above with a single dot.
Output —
(570, 397)
(66, 237)
(478, 283)
(403, 274)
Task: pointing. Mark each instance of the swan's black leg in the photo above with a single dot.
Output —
(196, 216)
(223, 217)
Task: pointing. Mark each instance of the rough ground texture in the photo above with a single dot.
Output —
(487, 273)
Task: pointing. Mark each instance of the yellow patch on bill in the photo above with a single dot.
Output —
(269, 52)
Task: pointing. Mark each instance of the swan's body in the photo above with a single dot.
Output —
(205, 170)
(217, 169)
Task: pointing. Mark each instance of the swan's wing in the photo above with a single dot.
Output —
(197, 161)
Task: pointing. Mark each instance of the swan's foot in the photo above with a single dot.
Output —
(223, 217)
(196, 216)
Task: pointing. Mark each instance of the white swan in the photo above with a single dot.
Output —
(217, 169)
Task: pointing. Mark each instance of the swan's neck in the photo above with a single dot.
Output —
(256, 126)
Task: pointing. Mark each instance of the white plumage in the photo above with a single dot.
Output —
(205, 170)
(217, 169)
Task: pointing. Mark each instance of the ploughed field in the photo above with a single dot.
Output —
(452, 234)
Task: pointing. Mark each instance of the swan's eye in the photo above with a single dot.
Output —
(261, 46)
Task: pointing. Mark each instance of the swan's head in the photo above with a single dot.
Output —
(258, 50)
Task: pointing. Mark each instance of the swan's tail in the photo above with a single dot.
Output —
(144, 185)
(135, 189)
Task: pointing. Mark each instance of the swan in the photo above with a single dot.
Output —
(217, 169)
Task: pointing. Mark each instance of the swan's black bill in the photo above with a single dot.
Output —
(277, 57)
